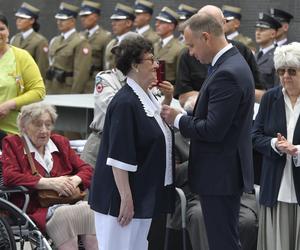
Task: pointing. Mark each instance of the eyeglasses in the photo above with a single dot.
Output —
(152, 60)
(40, 125)
(290, 71)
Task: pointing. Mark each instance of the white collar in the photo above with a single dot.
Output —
(45, 161)
(93, 30)
(67, 34)
(220, 53)
(27, 33)
(232, 35)
(265, 50)
(50, 145)
(143, 29)
(166, 40)
(149, 102)
(281, 42)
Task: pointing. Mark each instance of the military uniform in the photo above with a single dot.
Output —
(168, 49)
(97, 37)
(145, 7)
(30, 40)
(37, 46)
(234, 13)
(121, 12)
(70, 58)
(284, 18)
(107, 84)
(264, 57)
(170, 54)
(70, 62)
(266, 68)
(151, 35)
(109, 59)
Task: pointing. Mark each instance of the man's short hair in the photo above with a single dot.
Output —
(204, 22)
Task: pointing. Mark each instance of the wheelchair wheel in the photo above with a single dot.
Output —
(7, 240)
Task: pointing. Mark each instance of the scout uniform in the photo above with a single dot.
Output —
(30, 40)
(140, 7)
(264, 57)
(282, 17)
(185, 12)
(230, 13)
(98, 39)
(121, 12)
(70, 58)
(169, 48)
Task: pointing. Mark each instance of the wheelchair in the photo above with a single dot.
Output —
(15, 225)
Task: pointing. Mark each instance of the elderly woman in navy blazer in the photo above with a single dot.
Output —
(133, 180)
(276, 134)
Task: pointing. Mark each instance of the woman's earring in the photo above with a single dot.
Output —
(137, 70)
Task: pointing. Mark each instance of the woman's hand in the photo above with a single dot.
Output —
(284, 146)
(168, 90)
(63, 185)
(6, 107)
(126, 210)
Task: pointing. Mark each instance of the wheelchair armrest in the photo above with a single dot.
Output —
(5, 191)
(16, 189)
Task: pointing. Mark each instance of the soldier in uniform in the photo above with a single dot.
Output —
(121, 22)
(284, 18)
(233, 21)
(265, 33)
(28, 38)
(97, 37)
(168, 48)
(69, 55)
(185, 12)
(143, 13)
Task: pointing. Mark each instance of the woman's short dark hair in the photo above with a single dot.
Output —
(36, 26)
(3, 19)
(131, 51)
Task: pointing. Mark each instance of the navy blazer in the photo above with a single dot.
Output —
(220, 161)
(270, 120)
(132, 137)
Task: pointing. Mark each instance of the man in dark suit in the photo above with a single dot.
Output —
(220, 161)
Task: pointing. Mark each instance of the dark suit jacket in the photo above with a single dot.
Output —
(220, 161)
(270, 120)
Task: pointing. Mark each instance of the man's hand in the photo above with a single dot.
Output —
(169, 114)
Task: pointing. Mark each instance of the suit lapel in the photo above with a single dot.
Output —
(25, 43)
(165, 49)
(278, 107)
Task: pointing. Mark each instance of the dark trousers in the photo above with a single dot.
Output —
(221, 218)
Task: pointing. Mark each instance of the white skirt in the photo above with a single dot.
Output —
(112, 236)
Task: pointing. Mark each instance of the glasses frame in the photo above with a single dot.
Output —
(153, 60)
(290, 71)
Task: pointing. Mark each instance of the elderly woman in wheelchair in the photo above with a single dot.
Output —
(58, 168)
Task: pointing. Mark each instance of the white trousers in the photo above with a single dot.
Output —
(111, 236)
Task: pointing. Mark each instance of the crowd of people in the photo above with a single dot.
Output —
(132, 160)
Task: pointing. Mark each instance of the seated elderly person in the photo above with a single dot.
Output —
(59, 168)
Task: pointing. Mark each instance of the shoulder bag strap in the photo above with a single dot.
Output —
(33, 168)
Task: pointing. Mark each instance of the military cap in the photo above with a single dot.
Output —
(122, 12)
(67, 11)
(267, 22)
(27, 11)
(280, 15)
(89, 7)
(168, 15)
(185, 11)
(231, 12)
(143, 6)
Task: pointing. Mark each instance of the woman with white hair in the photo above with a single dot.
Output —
(59, 169)
(276, 134)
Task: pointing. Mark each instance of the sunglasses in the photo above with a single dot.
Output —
(290, 71)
